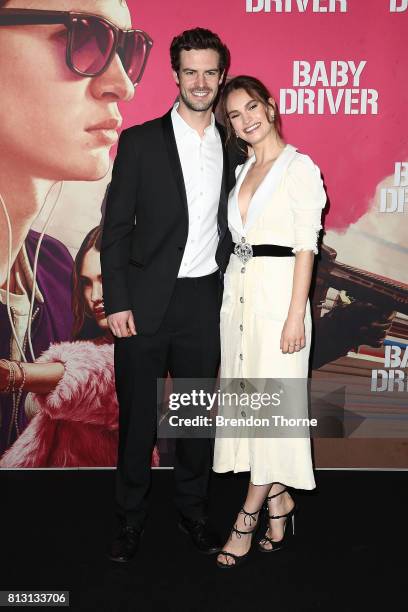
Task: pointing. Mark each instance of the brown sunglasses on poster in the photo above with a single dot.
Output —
(92, 41)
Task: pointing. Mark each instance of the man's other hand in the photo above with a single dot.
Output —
(122, 324)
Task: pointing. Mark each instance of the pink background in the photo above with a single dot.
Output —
(354, 152)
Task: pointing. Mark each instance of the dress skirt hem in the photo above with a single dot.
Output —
(283, 478)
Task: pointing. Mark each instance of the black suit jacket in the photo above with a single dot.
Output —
(146, 222)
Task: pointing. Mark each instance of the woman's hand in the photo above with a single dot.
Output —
(4, 374)
(293, 334)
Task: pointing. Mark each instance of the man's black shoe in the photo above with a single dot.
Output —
(125, 544)
(203, 538)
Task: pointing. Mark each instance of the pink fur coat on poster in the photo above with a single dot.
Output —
(77, 422)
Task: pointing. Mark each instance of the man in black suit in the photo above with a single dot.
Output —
(166, 214)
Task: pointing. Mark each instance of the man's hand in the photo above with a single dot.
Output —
(122, 324)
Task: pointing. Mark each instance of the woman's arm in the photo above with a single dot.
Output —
(35, 377)
(293, 333)
(302, 277)
(308, 198)
(80, 380)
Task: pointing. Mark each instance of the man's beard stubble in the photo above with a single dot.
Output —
(199, 107)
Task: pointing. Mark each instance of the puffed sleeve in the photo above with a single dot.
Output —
(308, 198)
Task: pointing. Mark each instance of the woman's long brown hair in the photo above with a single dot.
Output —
(91, 241)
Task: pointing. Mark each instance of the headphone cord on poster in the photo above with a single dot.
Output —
(37, 251)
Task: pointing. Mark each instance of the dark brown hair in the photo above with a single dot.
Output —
(198, 38)
(255, 88)
(91, 241)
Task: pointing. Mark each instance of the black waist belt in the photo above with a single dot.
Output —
(266, 250)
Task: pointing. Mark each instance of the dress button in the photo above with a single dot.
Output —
(243, 239)
(241, 299)
(241, 327)
(243, 413)
(242, 270)
(242, 384)
(241, 356)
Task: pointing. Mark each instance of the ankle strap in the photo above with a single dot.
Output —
(241, 533)
(276, 494)
(252, 516)
(278, 516)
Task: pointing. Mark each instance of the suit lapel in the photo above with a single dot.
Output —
(224, 181)
(267, 187)
(234, 217)
(174, 158)
(223, 203)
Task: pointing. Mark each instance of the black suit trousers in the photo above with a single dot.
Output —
(187, 345)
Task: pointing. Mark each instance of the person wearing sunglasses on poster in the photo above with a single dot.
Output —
(165, 215)
(63, 73)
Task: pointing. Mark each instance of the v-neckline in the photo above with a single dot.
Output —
(250, 161)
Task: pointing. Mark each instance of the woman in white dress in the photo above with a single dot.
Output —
(265, 316)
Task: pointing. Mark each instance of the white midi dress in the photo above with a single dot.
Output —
(285, 210)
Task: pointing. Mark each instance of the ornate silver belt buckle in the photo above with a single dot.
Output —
(243, 251)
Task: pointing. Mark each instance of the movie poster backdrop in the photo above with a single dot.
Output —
(337, 69)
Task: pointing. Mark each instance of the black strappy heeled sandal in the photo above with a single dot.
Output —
(239, 558)
(277, 545)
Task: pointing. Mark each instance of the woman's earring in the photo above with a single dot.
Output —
(272, 118)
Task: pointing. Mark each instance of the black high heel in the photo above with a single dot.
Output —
(239, 558)
(277, 545)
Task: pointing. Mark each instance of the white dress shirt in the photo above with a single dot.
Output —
(202, 163)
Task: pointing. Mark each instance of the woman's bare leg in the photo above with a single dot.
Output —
(240, 545)
(282, 504)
